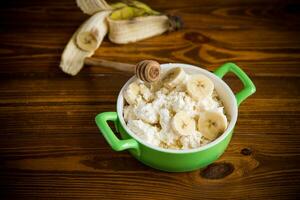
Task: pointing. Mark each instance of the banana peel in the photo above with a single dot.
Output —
(144, 7)
(117, 5)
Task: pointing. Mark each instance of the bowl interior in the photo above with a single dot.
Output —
(225, 93)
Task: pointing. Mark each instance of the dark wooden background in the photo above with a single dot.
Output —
(50, 146)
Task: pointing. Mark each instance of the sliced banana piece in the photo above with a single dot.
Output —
(131, 93)
(183, 124)
(88, 41)
(173, 77)
(146, 23)
(199, 86)
(211, 124)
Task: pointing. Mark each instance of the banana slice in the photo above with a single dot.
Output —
(174, 77)
(131, 93)
(88, 41)
(183, 124)
(211, 124)
(199, 87)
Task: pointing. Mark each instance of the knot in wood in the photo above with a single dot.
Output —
(217, 170)
(246, 151)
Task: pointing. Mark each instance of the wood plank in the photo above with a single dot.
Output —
(128, 183)
(153, 3)
(282, 93)
(211, 17)
(40, 52)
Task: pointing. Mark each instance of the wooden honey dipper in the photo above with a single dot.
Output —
(146, 70)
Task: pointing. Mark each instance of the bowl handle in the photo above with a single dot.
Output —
(249, 87)
(116, 144)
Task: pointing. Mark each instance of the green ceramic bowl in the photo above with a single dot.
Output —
(178, 160)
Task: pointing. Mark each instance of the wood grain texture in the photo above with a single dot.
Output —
(50, 147)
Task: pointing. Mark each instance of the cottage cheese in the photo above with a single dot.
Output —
(149, 117)
(144, 131)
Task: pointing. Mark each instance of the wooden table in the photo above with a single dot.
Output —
(50, 146)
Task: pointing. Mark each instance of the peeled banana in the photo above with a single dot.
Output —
(122, 28)
(126, 22)
(78, 49)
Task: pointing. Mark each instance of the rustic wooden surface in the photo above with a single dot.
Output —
(50, 146)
